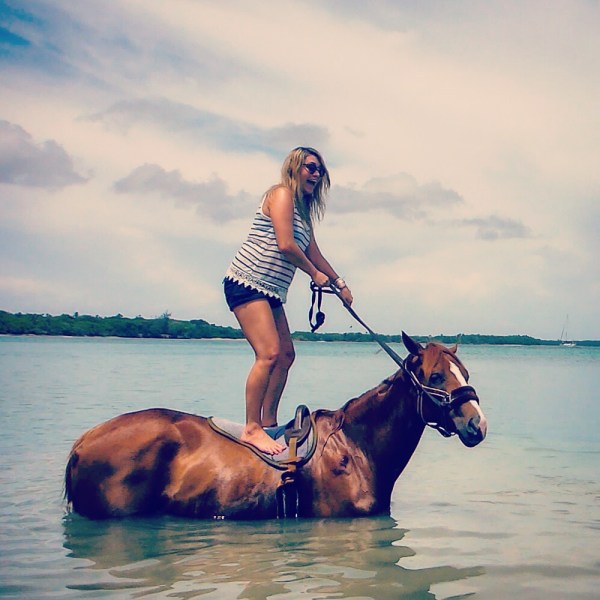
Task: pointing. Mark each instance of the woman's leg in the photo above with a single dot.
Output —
(279, 375)
(258, 326)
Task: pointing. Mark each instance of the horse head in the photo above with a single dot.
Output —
(445, 400)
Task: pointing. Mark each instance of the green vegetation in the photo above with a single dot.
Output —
(117, 326)
(506, 340)
(166, 327)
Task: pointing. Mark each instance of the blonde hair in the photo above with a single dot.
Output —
(311, 208)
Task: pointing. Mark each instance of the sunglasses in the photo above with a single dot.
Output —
(312, 168)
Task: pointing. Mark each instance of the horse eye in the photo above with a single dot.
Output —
(436, 379)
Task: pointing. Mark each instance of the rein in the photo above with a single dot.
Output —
(442, 400)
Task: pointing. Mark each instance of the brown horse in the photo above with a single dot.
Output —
(161, 461)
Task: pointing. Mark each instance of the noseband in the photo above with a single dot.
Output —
(442, 401)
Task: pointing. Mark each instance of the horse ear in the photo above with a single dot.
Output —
(411, 345)
(458, 341)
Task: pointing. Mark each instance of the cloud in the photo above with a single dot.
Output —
(494, 228)
(399, 195)
(209, 128)
(461, 139)
(25, 163)
(210, 198)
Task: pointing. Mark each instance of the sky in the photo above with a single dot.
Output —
(462, 138)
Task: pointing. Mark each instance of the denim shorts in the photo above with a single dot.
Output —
(237, 294)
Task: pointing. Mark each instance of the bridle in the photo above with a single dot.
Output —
(442, 402)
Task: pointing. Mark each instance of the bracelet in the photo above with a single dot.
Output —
(339, 283)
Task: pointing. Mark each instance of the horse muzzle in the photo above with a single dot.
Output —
(471, 424)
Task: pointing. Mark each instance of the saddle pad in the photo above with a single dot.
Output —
(234, 430)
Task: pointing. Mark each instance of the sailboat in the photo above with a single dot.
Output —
(564, 336)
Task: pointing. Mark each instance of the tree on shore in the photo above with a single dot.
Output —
(165, 326)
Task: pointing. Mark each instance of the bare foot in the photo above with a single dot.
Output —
(255, 436)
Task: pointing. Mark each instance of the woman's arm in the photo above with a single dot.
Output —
(316, 258)
(279, 206)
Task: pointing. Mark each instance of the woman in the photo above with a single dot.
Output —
(256, 283)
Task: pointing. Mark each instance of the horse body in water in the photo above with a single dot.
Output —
(161, 461)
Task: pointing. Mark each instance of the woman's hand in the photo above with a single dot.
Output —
(320, 279)
(346, 295)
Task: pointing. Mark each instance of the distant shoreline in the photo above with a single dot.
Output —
(165, 327)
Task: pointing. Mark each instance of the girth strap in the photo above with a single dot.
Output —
(287, 490)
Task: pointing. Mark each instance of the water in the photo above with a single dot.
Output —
(516, 517)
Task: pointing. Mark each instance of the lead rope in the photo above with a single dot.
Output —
(317, 296)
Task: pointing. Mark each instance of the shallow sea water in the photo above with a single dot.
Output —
(516, 517)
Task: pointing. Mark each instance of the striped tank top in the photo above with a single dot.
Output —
(259, 264)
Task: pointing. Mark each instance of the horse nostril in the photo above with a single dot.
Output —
(477, 425)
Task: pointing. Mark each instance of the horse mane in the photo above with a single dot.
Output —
(337, 418)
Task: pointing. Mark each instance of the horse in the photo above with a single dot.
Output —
(163, 461)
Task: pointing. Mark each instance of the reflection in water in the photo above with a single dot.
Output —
(525, 504)
(274, 559)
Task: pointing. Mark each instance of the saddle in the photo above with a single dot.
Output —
(298, 436)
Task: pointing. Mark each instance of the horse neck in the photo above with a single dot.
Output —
(385, 424)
